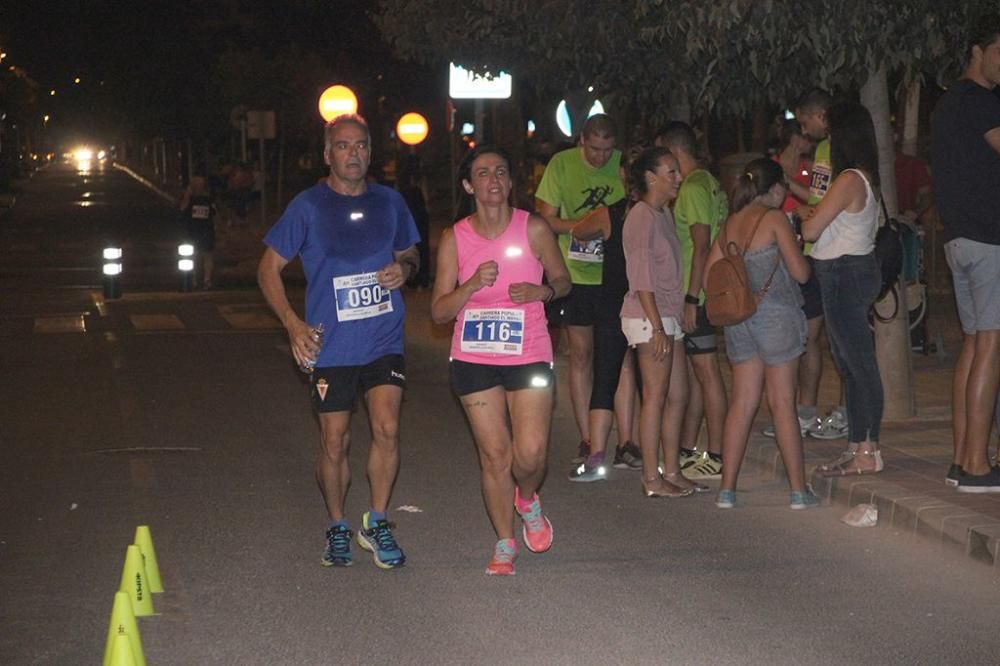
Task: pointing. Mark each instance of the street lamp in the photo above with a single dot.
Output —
(185, 264)
(112, 272)
(336, 101)
(412, 129)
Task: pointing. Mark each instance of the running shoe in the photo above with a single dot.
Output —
(536, 528)
(833, 426)
(804, 499)
(592, 469)
(951, 478)
(628, 456)
(582, 453)
(726, 499)
(688, 458)
(980, 483)
(338, 547)
(376, 537)
(804, 425)
(504, 554)
(708, 467)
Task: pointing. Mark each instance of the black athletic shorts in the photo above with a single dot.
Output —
(334, 388)
(469, 378)
(580, 307)
(702, 339)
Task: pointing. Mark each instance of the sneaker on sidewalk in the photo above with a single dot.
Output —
(951, 478)
(582, 453)
(726, 499)
(504, 554)
(536, 528)
(338, 547)
(688, 458)
(628, 456)
(833, 426)
(980, 483)
(708, 467)
(376, 537)
(805, 499)
(804, 424)
(591, 469)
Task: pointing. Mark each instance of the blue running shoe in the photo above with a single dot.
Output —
(376, 537)
(805, 499)
(726, 499)
(338, 547)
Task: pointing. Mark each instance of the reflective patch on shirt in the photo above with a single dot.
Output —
(200, 212)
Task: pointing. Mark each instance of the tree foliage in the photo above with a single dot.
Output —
(725, 55)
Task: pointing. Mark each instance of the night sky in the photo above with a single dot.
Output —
(148, 66)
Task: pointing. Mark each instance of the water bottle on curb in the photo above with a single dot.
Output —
(317, 336)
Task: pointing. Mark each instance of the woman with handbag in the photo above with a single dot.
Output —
(843, 226)
(765, 348)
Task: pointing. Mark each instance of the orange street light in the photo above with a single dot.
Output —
(412, 129)
(336, 101)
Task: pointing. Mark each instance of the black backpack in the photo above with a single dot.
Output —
(889, 254)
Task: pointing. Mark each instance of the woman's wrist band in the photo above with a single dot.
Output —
(691, 300)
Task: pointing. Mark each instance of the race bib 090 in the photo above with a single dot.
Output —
(360, 297)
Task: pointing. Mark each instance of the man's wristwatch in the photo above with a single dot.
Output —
(691, 300)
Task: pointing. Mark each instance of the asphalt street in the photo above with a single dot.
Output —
(185, 412)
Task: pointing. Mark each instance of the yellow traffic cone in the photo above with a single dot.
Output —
(144, 540)
(123, 624)
(135, 583)
(121, 654)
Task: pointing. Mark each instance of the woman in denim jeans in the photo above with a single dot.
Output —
(843, 227)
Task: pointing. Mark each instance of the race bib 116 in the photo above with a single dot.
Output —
(494, 331)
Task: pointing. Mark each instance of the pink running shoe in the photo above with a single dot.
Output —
(504, 554)
(537, 530)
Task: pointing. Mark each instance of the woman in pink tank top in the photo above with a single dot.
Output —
(489, 280)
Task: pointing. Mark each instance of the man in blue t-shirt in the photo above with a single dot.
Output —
(965, 158)
(357, 242)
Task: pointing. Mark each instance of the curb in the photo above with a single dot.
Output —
(933, 518)
(149, 184)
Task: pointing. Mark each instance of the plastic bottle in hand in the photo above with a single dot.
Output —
(317, 336)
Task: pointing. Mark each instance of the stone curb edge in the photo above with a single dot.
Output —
(933, 520)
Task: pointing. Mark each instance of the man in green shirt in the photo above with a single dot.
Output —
(576, 182)
(700, 208)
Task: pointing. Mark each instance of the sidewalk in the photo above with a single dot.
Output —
(910, 493)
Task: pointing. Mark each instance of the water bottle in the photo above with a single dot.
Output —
(317, 335)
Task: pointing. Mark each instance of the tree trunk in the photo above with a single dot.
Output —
(892, 339)
(680, 107)
(911, 117)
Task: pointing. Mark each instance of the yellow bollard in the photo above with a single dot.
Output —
(123, 624)
(144, 539)
(135, 582)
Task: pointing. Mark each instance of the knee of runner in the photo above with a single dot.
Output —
(385, 433)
